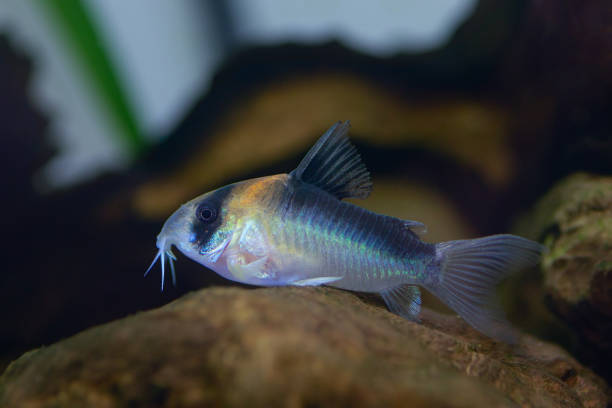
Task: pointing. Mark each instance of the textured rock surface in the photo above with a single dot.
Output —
(295, 347)
(575, 221)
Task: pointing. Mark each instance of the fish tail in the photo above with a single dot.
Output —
(471, 269)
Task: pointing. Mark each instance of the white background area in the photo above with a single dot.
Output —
(166, 52)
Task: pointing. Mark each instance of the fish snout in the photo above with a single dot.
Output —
(175, 229)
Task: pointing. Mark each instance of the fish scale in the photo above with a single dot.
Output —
(346, 240)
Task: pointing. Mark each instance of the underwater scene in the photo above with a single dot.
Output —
(306, 204)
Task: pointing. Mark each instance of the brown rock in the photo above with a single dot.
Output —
(575, 221)
(293, 347)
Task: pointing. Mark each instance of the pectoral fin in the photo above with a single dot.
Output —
(243, 271)
(322, 280)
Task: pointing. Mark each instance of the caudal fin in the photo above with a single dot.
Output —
(469, 271)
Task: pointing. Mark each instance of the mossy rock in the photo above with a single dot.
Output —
(574, 220)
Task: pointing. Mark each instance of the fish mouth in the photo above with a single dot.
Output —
(165, 253)
(171, 233)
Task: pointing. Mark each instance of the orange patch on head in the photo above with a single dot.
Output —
(257, 191)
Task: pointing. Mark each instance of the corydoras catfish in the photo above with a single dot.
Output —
(294, 229)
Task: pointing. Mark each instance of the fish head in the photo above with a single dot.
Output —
(203, 228)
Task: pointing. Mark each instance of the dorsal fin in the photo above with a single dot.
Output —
(334, 165)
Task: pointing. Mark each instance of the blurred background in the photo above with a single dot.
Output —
(114, 113)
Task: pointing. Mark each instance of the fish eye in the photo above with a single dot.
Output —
(206, 214)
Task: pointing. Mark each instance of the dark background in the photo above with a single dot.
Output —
(465, 137)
